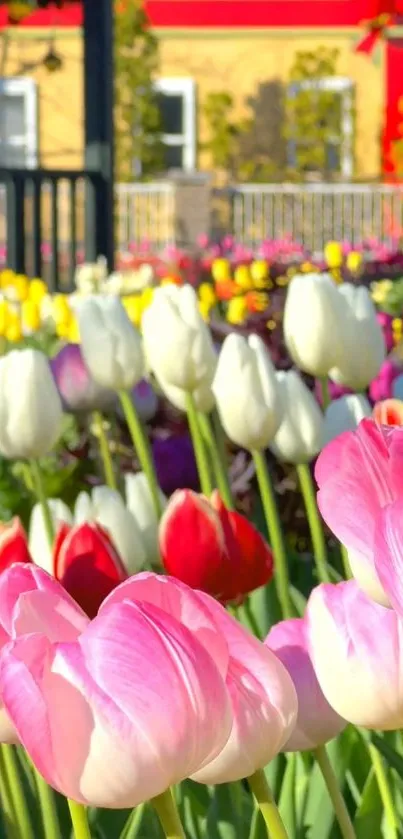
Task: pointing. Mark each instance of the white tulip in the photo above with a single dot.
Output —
(300, 436)
(30, 407)
(110, 344)
(177, 342)
(38, 539)
(314, 323)
(203, 397)
(364, 344)
(107, 508)
(140, 503)
(90, 275)
(248, 396)
(344, 414)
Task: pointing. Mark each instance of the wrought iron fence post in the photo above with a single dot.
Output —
(98, 98)
(15, 223)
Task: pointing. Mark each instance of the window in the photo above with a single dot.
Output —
(18, 123)
(177, 102)
(326, 106)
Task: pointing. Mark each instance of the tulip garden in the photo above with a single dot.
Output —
(201, 551)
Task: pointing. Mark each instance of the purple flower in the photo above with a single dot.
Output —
(175, 464)
(78, 390)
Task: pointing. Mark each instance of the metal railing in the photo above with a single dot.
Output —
(314, 214)
(46, 219)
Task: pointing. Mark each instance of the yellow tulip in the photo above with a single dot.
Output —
(259, 271)
(73, 335)
(21, 285)
(242, 277)
(6, 277)
(134, 308)
(221, 270)
(207, 294)
(61, 309)
(205, 308)
(354, 261)
(37, 290)
(237, 310)
(334, 254)
(146, 297)
(30, 317)
(14, 329)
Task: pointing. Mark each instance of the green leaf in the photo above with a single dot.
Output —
(368, 818)
(393, 758)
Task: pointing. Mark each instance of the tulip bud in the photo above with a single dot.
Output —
(13, 544)
(203, 397)
(78, 390)
(317, 722)
(140, 503)
(30, 407)
(388, 412)
(110, 344)
(248, 395)
(364, 345)
(356, 650)
(39, 547)
(87, 564)
(345, 414)
(107, 508)
(228, 557)
(314, 323)
(178, 345)
(300, 436)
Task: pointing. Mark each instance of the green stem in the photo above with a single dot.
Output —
(202, 463)
(133, 823)
(339, 805)
(17, 793)
(281, 578)
(384, 791)
(346, 562)
(50, 819)
(220, 438)
(250, 618)
(314, 521)
(168, 815)
(255, 831)
(267, 806)
(42, 498)
(142, 447)
(104, 450)
(6, 800)
(79, 820)
(219, 467)
(326, 400)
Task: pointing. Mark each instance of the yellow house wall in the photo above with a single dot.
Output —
(237, 62)
(60, 94)
(233, 61)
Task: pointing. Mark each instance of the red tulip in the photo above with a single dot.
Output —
(211, 548)
(84, 560)
(13, 544)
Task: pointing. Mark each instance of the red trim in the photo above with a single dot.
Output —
(70, 15)
(250, 13)
(393, 127)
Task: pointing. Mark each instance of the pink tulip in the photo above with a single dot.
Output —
(359, 473)
(113, 711)
(317, 722)
(264, 702)
(40, 594)
(389, 553)
(356, 647)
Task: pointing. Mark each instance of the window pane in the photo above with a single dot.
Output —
(12, 116)
(173, 157)
(171, 108)
(12, 156)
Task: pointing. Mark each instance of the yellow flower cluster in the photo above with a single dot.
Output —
(380, 290)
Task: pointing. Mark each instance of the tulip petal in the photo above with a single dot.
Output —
(13, 544)
(32, 601)
(264, 703)
(180, 601)
(389, 553)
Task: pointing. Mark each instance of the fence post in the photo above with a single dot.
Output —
(15, 223)
(98, 98)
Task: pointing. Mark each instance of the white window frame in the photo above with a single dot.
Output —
(345, 87)
(186, 88)
(27, 88)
